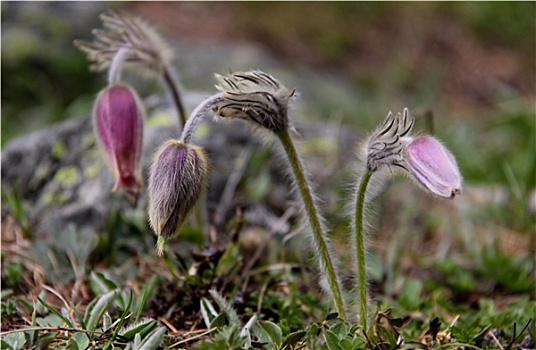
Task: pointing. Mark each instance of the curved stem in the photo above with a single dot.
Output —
(314, 221)
(114, 73)
(175, 95)
(197, 114)
(360, 247)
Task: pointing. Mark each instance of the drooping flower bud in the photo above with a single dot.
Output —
(433, 166)
(177, 181)
(118, 124)
(254, 96)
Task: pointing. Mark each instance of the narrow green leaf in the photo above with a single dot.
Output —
(225, 307)
(96, 310)
(55, 312)
(78, 316)
(101, 283)
(126, 312)
(152, 341)
(143, 328)
(208, 312)
(148, 290)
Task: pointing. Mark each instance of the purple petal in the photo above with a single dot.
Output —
(118, 120)
(433, 166)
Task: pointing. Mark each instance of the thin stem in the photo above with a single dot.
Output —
(175, 95)
(114, 73)
(360, 247)
(314, 221)
(197, 114)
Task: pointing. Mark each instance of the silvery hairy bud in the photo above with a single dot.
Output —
(118, 124)
(254, 96)
(433, 166)
(177, 181)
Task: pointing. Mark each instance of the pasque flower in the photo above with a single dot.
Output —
(177, 180)
(118, 124)
(260, 99)
(423, 157)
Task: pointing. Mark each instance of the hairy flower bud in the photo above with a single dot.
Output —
(177, 181)
(254, 96)
(433, 166)
(118, 124)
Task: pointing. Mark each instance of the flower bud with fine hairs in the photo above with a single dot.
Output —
(433, 166)
(177, 181)
(254, 96)
(118, 125)
(121, 30)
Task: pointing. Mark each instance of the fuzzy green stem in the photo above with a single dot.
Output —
(314, 221)
(175, 95)
(360, 247)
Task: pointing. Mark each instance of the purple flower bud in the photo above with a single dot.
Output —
(433, 166)
(177, 180)
(118, 123)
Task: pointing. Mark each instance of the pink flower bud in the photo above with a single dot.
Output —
(118, 124)
(433, 166)
(177, 180)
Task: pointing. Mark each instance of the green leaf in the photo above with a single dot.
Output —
(225, 307)
(141, 329)
(219, 321)
(96, 310)
(332, 316)
(273, 331)
(15, 340)
(346, 344)
(82, 340)
(126, 312)
(293, 338)
(208, 312)
(332, 341)
(152, 341)
(101, 283)
(5, 346)
(44, 340)
(146, 292)
(313, 330)
(55, 312)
